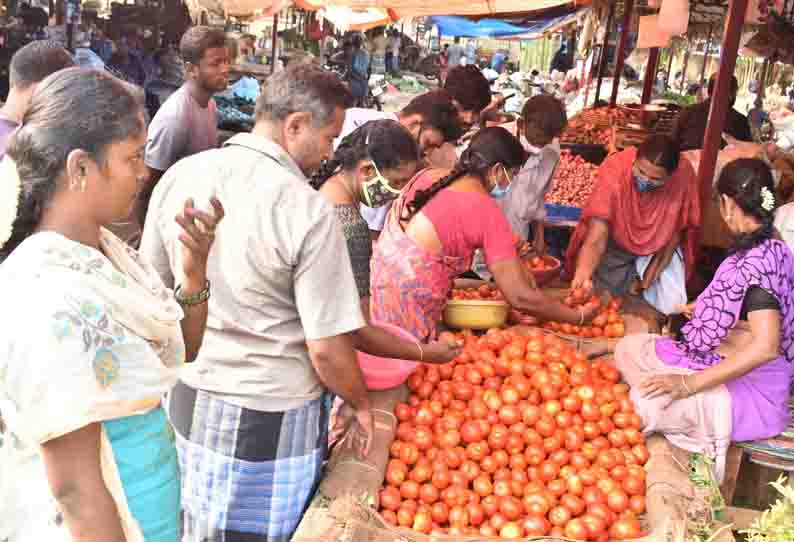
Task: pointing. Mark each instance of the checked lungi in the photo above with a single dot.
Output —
(247, 476)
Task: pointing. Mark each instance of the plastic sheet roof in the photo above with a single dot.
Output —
(399, 9)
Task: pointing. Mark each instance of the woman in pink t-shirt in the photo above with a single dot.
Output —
(435, 226)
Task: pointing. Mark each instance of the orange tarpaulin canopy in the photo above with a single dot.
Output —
(421, 8)
(362, 14)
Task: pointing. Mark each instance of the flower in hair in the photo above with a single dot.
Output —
(10, 188)
(767, 199)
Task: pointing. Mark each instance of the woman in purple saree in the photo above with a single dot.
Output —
(729, 377)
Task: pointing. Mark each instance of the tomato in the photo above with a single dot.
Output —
(602, 511)
(511, 508)
(618, 501)
(429, 493)
(421, 473)
(463, 391)
(405, 517)
(573, 503)
(409, 453)
(477, 451)
(405, 432)
(470, 432)
(637, 504)
(596, 526)
(501, 458)
(423, 438)
(439, 513)
(482, 485)
(633, 486)
(640, 451)
(576, 529)
(511, 531)
(625, 529)
(556, 487)
(574, 485)
(490, 505)
(458, 516)
(390, 498)
(470, 470)
(409, 490)
(423, 523)
(502, 488)
(396, 476)
(509, 414)
(559, 516)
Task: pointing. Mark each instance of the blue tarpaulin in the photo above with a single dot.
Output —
(484, 28)
(498, 28)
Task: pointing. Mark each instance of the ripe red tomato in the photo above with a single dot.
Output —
(633, 486)
(618, 501)
(573, 503)
(559, 516)
(576, 529)
(637, 504)
(625, 529)
(409, 490)
(390, 498)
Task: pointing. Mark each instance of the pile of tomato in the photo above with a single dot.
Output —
(536, 263)
(519, 436)
(608, 323)
(486, 292)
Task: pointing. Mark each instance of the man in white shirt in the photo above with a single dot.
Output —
(284, 304)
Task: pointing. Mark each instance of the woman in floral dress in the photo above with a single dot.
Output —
(91, 339)
(728, 377)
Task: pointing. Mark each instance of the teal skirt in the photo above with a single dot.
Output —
(146, 458)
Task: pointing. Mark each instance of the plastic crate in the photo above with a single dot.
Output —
(559, 213)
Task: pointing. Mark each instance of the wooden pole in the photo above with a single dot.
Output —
(628, 6)
(706, 55)
(671, 53)
(719, 101)
(650, 75)
(273, 57)
(602, 59)
(686, 66)
(762, 79)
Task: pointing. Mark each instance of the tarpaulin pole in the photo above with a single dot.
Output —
(706, 55)
(671, 53)
(686, 67)
(273, 58)
(719, 101)
(628, 6)
(650, 75)
(602, 60)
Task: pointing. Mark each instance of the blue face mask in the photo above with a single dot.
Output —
(497, 192)
(644, 184)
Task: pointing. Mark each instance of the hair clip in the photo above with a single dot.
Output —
(767, 199)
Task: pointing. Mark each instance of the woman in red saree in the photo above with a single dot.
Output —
(637, 234)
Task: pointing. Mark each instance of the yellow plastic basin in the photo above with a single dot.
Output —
(470, 314)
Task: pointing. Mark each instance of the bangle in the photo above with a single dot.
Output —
(193, 299)
(581, 316)
(421, 351)
(683, 381)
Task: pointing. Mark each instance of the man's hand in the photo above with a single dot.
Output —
(356, 429)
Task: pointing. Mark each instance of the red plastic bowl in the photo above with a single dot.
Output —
(386, 373)
(544, 277)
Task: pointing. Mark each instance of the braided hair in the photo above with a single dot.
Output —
(71, 109)
(385, 142)
(749, 182)
(490, 146)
